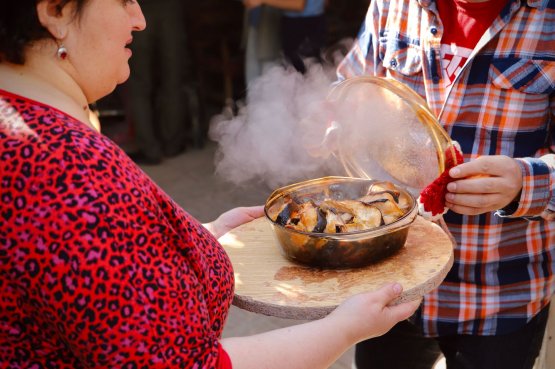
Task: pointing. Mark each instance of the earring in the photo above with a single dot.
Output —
(62, 52)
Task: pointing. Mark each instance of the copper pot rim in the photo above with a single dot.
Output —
(404, 221)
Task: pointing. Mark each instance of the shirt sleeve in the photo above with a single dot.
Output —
(538, 186)
(360, 58)
(224, 361)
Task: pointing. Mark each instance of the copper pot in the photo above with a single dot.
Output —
(338, 250)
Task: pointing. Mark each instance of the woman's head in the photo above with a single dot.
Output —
(95, 33)
(20, 26)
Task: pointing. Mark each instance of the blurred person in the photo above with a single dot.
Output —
(155, 94)
(486, 70)
(99, 268)
(304, 33)
(292, 29)
(261, 38)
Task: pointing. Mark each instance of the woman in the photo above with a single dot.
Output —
(99, 268)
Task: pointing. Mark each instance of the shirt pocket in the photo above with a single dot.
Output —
(400, 56)
(519, 100)
(528, 76)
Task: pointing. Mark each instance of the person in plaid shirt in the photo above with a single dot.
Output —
(487, 70)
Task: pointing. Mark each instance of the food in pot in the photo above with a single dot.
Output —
(316, 222)
(325, 213)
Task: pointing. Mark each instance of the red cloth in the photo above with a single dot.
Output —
(433, 196)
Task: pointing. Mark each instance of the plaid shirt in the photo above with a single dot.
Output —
(502, 103)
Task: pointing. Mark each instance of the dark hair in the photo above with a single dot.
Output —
(20, 26)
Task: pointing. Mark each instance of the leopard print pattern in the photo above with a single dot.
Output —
(99, 268)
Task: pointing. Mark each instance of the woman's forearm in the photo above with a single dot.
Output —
(314, 345)
(317, 344)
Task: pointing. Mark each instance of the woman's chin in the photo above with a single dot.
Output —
(109, 87)
(104, 91)
(124, 76)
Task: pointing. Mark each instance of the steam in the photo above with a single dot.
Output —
(296, 127)
(277, 137)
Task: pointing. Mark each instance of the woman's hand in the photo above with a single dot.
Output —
(486, 184)
(234, 218)
(319, 343)
(370, 314)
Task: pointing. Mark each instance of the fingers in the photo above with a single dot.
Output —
(386, 294)
(255, 211)
(405, 310)
(485, 184)
(477, 184)
(474, 204)
(378, 307)
(471, 200)
(491, 165)
(466, 210)
(484, 165)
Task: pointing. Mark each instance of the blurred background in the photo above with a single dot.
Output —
(213, 39)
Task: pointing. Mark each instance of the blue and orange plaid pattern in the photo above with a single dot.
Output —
(501, 103)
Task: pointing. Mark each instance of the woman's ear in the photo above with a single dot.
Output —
(55, 17)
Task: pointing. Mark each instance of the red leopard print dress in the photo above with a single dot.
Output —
(99, 268)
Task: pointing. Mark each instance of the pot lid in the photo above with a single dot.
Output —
(381, 129)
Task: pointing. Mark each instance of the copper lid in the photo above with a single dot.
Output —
(382, 129)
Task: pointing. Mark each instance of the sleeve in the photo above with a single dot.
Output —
(537, 198)
(224, 361)
(115, 287)
(360, 59)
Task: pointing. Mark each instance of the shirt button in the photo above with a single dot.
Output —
(433, 30)
(393, 63)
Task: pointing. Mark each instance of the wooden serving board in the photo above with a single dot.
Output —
(268, 283)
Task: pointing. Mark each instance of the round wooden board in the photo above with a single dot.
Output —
(267, 283)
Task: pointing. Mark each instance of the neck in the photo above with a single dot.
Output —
(43, 79)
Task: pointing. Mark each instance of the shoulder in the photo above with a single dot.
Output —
(44, 151)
